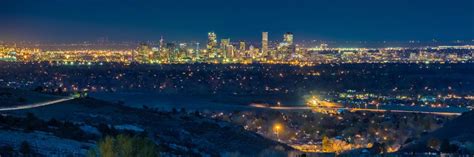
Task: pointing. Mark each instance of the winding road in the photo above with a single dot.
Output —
(35, 105)
(41, 104)
(356, 109)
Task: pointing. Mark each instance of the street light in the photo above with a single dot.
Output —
(276, 128)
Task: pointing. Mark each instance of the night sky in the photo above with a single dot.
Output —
(124, 20)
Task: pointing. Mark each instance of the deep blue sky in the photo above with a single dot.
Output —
(121, 20)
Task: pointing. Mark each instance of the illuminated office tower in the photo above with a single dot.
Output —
(230, 51)
(164, 53)
(156, 53)
(242, 49)
(182, 51)
(144, 54)
(242, 46)
(224, 44)
(211, 44)
(162, 43)
(253, 52)
(197, 51)
(264, 43)
(288, 38)
(172, 52)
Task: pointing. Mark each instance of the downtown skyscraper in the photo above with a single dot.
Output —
(288, 38)
(211, 45)
(224, 51)
(264, 43)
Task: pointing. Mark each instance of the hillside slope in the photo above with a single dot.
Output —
(459, 131)
(187, 133)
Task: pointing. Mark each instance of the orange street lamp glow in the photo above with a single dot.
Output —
(277, 127)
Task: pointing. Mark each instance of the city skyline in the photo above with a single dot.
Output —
(276, 78)
(72, 21)
(265, 38)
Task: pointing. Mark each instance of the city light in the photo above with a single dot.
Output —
(299, 78)
(229, 52)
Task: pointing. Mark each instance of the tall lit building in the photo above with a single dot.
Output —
(156, 53)
(163, 53)
(172, 52)
(162, 43)
(242, 46)
(242, 49)
(211, 44)
(288, 38)
(264, 43)
(253, 52)
(144, 53)
(230, 51)
(197, 51)
(224, 44)
(182, 50)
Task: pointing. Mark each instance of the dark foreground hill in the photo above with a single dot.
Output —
(456, 136)
(179, 132)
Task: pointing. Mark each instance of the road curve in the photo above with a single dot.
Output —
(355, 109)
(35, 105)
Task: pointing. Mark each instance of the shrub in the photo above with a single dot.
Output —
(124, 146)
